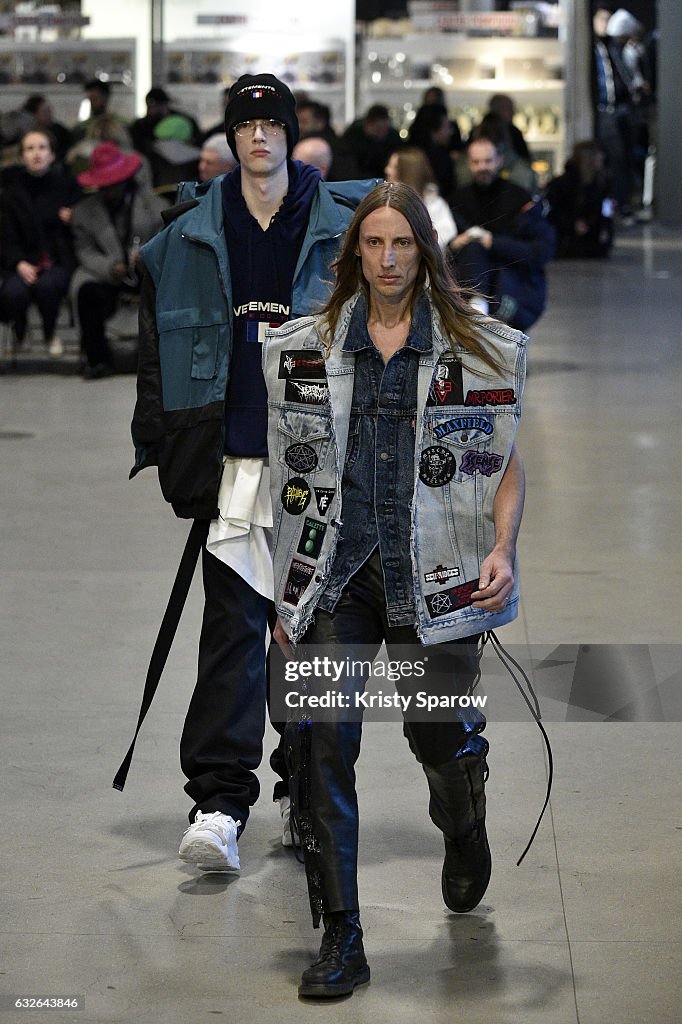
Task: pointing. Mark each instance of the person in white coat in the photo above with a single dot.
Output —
(411, 166)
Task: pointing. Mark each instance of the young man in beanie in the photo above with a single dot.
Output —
(252, 249)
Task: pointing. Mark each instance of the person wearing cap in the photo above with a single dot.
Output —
(158, 104)
(613, 93)
(245, 252)
(173, 157)
(109, 226)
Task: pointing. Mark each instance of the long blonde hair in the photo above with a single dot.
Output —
(455, 313)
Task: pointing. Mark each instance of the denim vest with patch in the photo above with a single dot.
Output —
(466, 423)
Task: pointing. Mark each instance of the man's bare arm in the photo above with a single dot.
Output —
(497, 570)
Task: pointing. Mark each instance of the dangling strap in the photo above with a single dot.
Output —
(176, 602)
(534, 708)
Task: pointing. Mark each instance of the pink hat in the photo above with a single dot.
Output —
(109, 165)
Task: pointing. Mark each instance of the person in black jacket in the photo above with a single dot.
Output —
(36, 248)
(580, 205)
(504, 241)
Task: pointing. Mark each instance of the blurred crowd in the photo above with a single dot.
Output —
(77, 203)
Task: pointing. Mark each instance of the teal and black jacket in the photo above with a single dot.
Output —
(186, 334)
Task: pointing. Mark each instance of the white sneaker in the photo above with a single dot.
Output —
(55, 347)
(285, 811)
(211, 842)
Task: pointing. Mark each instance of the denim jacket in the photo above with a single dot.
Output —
(465, 427)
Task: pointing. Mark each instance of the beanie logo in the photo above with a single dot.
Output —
(257, 91)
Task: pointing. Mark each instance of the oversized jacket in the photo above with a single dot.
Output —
(186, 336)
(463, 439)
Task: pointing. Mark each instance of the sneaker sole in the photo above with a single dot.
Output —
(334, 991)
(206, 857)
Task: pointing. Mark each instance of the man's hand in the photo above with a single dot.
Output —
(496, 581)
(27, 272)
(119, 271)
(475, 234)
(281, 638)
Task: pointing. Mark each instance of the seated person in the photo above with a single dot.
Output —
(371, 140)
(316, 151)
(411, 166)
(581, 205)
(173, 157)
(432, 131)
(216, 157)
(36, 246)
(504, 241)
(109, 227)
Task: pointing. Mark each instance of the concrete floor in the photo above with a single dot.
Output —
(94, 900)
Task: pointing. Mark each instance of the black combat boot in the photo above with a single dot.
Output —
(466, 870)
(341, 964)
(457, 807)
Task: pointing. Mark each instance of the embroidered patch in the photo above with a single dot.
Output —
(498, 396)
(311, 538)
(302, 363)
(437, 466)
(295, 496)
(298, 578)
(446, 386)
(323, 496)
(450, 600)
(301, 457)
(486, 463)
(306, 392)
(441, 574)
(466, 425)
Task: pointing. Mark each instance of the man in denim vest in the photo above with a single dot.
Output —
(397, 410)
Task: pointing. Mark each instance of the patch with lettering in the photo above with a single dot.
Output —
(306, 392)
(295, 496)
(437, 466)
(441, 574)
(298, 578)
(446, 386)
(323, 496)
(496, 396)
(306, 364)
(311, 538)
(447, 601)
(486, 463)
(301, 457)
(469, 428)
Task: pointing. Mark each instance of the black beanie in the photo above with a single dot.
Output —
(254, 97)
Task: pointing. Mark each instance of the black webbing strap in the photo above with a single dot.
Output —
(176, 602)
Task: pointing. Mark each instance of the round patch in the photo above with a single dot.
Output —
(437, 466)
(301, 457)
(295, 496)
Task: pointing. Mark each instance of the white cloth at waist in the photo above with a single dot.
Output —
(242, 535)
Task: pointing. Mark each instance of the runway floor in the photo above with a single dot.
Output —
(95, 902)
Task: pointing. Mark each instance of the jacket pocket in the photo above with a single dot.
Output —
(182, 334)
(303, 441)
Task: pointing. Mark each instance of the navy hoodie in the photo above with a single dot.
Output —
(262, 265)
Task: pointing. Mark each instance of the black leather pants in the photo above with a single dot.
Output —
(450, 750)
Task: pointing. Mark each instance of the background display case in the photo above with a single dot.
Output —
(470, 69)
(59, 69)
(198, 70)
